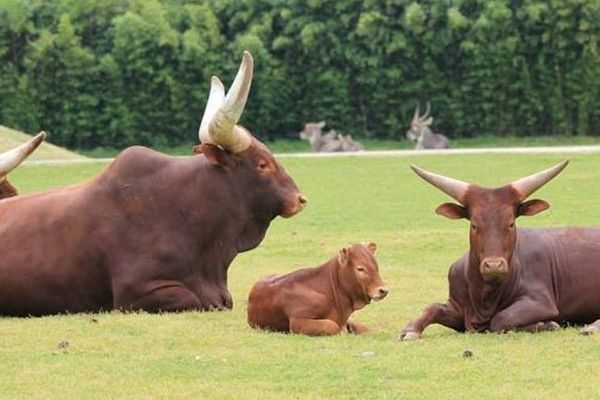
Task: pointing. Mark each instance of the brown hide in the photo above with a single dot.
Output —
(318, 301)
(150, 232)
(514, 279)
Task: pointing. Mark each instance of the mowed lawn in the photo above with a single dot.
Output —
(217, 356)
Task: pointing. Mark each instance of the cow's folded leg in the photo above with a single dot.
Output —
(173, 297)
(444, 314)
(591, 328)
(356, 328)
(526, 315)
(314, 327)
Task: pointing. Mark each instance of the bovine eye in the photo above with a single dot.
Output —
(473, 227)
(263, 165)
(512, 225)
(360, 268)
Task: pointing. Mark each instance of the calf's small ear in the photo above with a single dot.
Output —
(532, 207)
(216, 155)
(372, 247)
(343, 256)
(452, 211)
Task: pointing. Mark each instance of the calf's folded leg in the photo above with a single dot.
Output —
(314, 327)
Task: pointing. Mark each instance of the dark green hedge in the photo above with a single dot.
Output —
(116, 72)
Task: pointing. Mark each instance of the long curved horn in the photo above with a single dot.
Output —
(222, 127)
(526, 186)
(9, 160)
(424, 116)
(215, 100)
(452, 187)
(416, 115)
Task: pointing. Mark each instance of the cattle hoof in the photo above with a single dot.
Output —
(409, 335)
(589, 330)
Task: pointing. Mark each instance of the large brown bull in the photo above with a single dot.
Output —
(151, 232)
(10, 159)
(514, 279)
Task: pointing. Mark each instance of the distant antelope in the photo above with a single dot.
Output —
(331, 141)
(420, 132)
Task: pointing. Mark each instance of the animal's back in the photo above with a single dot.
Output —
(269, 296)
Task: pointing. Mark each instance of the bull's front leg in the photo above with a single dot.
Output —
(444, 314)
(526, 315)
(314, 327)
(156, 297)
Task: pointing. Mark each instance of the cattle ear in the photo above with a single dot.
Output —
(452, 211)
(216, 155)
(343, 256)
(532, 207)
(372, 247)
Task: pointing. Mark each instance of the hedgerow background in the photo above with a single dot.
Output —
(117, 72)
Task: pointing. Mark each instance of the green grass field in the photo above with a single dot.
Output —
(217, 356)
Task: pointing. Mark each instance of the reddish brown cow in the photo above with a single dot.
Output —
(9, 160)
(514, 279)
(151, 232)
(318, 301)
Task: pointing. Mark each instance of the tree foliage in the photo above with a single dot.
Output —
(121, 72)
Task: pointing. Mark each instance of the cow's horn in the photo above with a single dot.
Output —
(222, 127)
(11, 159)
(215, 100)
(526, 186)
(452, 187)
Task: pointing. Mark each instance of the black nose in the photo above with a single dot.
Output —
(383, 291)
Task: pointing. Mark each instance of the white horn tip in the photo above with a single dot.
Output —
(42, 134)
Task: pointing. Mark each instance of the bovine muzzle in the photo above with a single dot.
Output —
(297, 205)
(380, 293)
(494, 266)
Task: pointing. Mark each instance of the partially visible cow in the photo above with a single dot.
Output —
(420, 132)
(10, 159)
(151, 232)
(514, 279)
(319, 301)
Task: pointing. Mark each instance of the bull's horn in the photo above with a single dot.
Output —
(11, 159)
(215, 100)
(452, 187)
(526, 186)
(222, 126)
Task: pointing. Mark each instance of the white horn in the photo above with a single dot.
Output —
(222, 126)
(526, 186)
(215, 101)
(452, 187)
(11, 159)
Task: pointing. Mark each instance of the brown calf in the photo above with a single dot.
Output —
(318, 301)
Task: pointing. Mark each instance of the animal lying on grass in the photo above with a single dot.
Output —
(151, 232)
(319, 301)
(514, 279)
